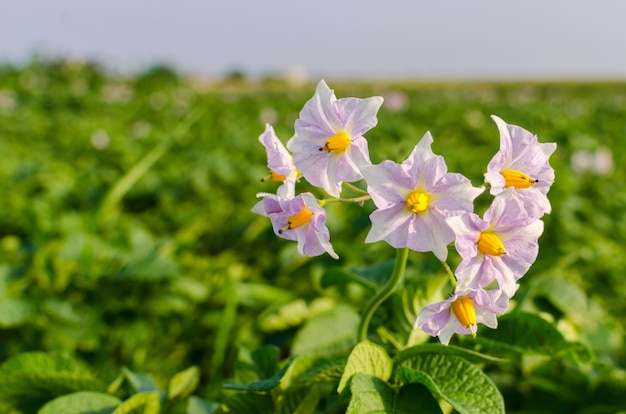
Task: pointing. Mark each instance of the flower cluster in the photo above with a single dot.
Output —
(419, 204)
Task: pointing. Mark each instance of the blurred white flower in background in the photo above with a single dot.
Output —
(8, 100)
(296, 76)
(100, 139)
(268, 116)
(395, 101)
(141, 129)
(598, 162)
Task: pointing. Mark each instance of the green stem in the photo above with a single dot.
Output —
(384, 293)
(355, 188)
(361, 199)
(450, 275)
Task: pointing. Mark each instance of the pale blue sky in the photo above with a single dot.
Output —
(330, 38)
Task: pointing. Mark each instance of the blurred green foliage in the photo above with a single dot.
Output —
(126, 237)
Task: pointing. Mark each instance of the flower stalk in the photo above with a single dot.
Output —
(383, 294)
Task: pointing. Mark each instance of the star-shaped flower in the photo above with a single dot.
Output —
(522, 163)
(500, 247)
(280, 163)
(462, 312)
(328, 145)
(299, 218)
(414, 199)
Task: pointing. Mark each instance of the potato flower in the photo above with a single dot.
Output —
(328, 145)
(500, 247)
(413, 200)
(299, 218)
(522, 163)
(462, 312)
(280, 163)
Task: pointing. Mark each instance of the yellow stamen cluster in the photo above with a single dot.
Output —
(463, 309)
(417, 201)
(299, 219)
(337, 143)
(517, 179)
(489, 243)
(279, 178)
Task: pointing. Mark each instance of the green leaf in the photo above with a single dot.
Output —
(523, 332)
(141, 382)
(377, 273)
(298, 401)
(184, 383)
(151, 267)
(281, 317)
(84, 402)
(197, 405)
(565, 295)
(247, 403)
(330, 333)
(465, 387)
(261, 295)
(337, 275)
(307, 370)
(371, 395)
(468, 354)
(14, 311)
(366, 358)
(142, 403)
(262, 385)
(38, 374)
(266, 360)
(247, 367)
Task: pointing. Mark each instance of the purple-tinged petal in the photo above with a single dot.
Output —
(467, 228)
(433, 195)
(430, 233)
(387, 183)
(323, 117)
(359, 115)
(313, 237)
(521, 151)
(391, 225)
(433, 318)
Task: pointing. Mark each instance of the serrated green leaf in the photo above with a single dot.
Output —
(468, 354)
(142, 403)
(371, 395)
(330, 333)
(40, 374)
(465, 387)
(141, 382)
(184, 383)
(84, 402)
(523, 332)
(366, 358)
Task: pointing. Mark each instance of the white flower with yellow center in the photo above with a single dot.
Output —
(522, 163)
(328, 145)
